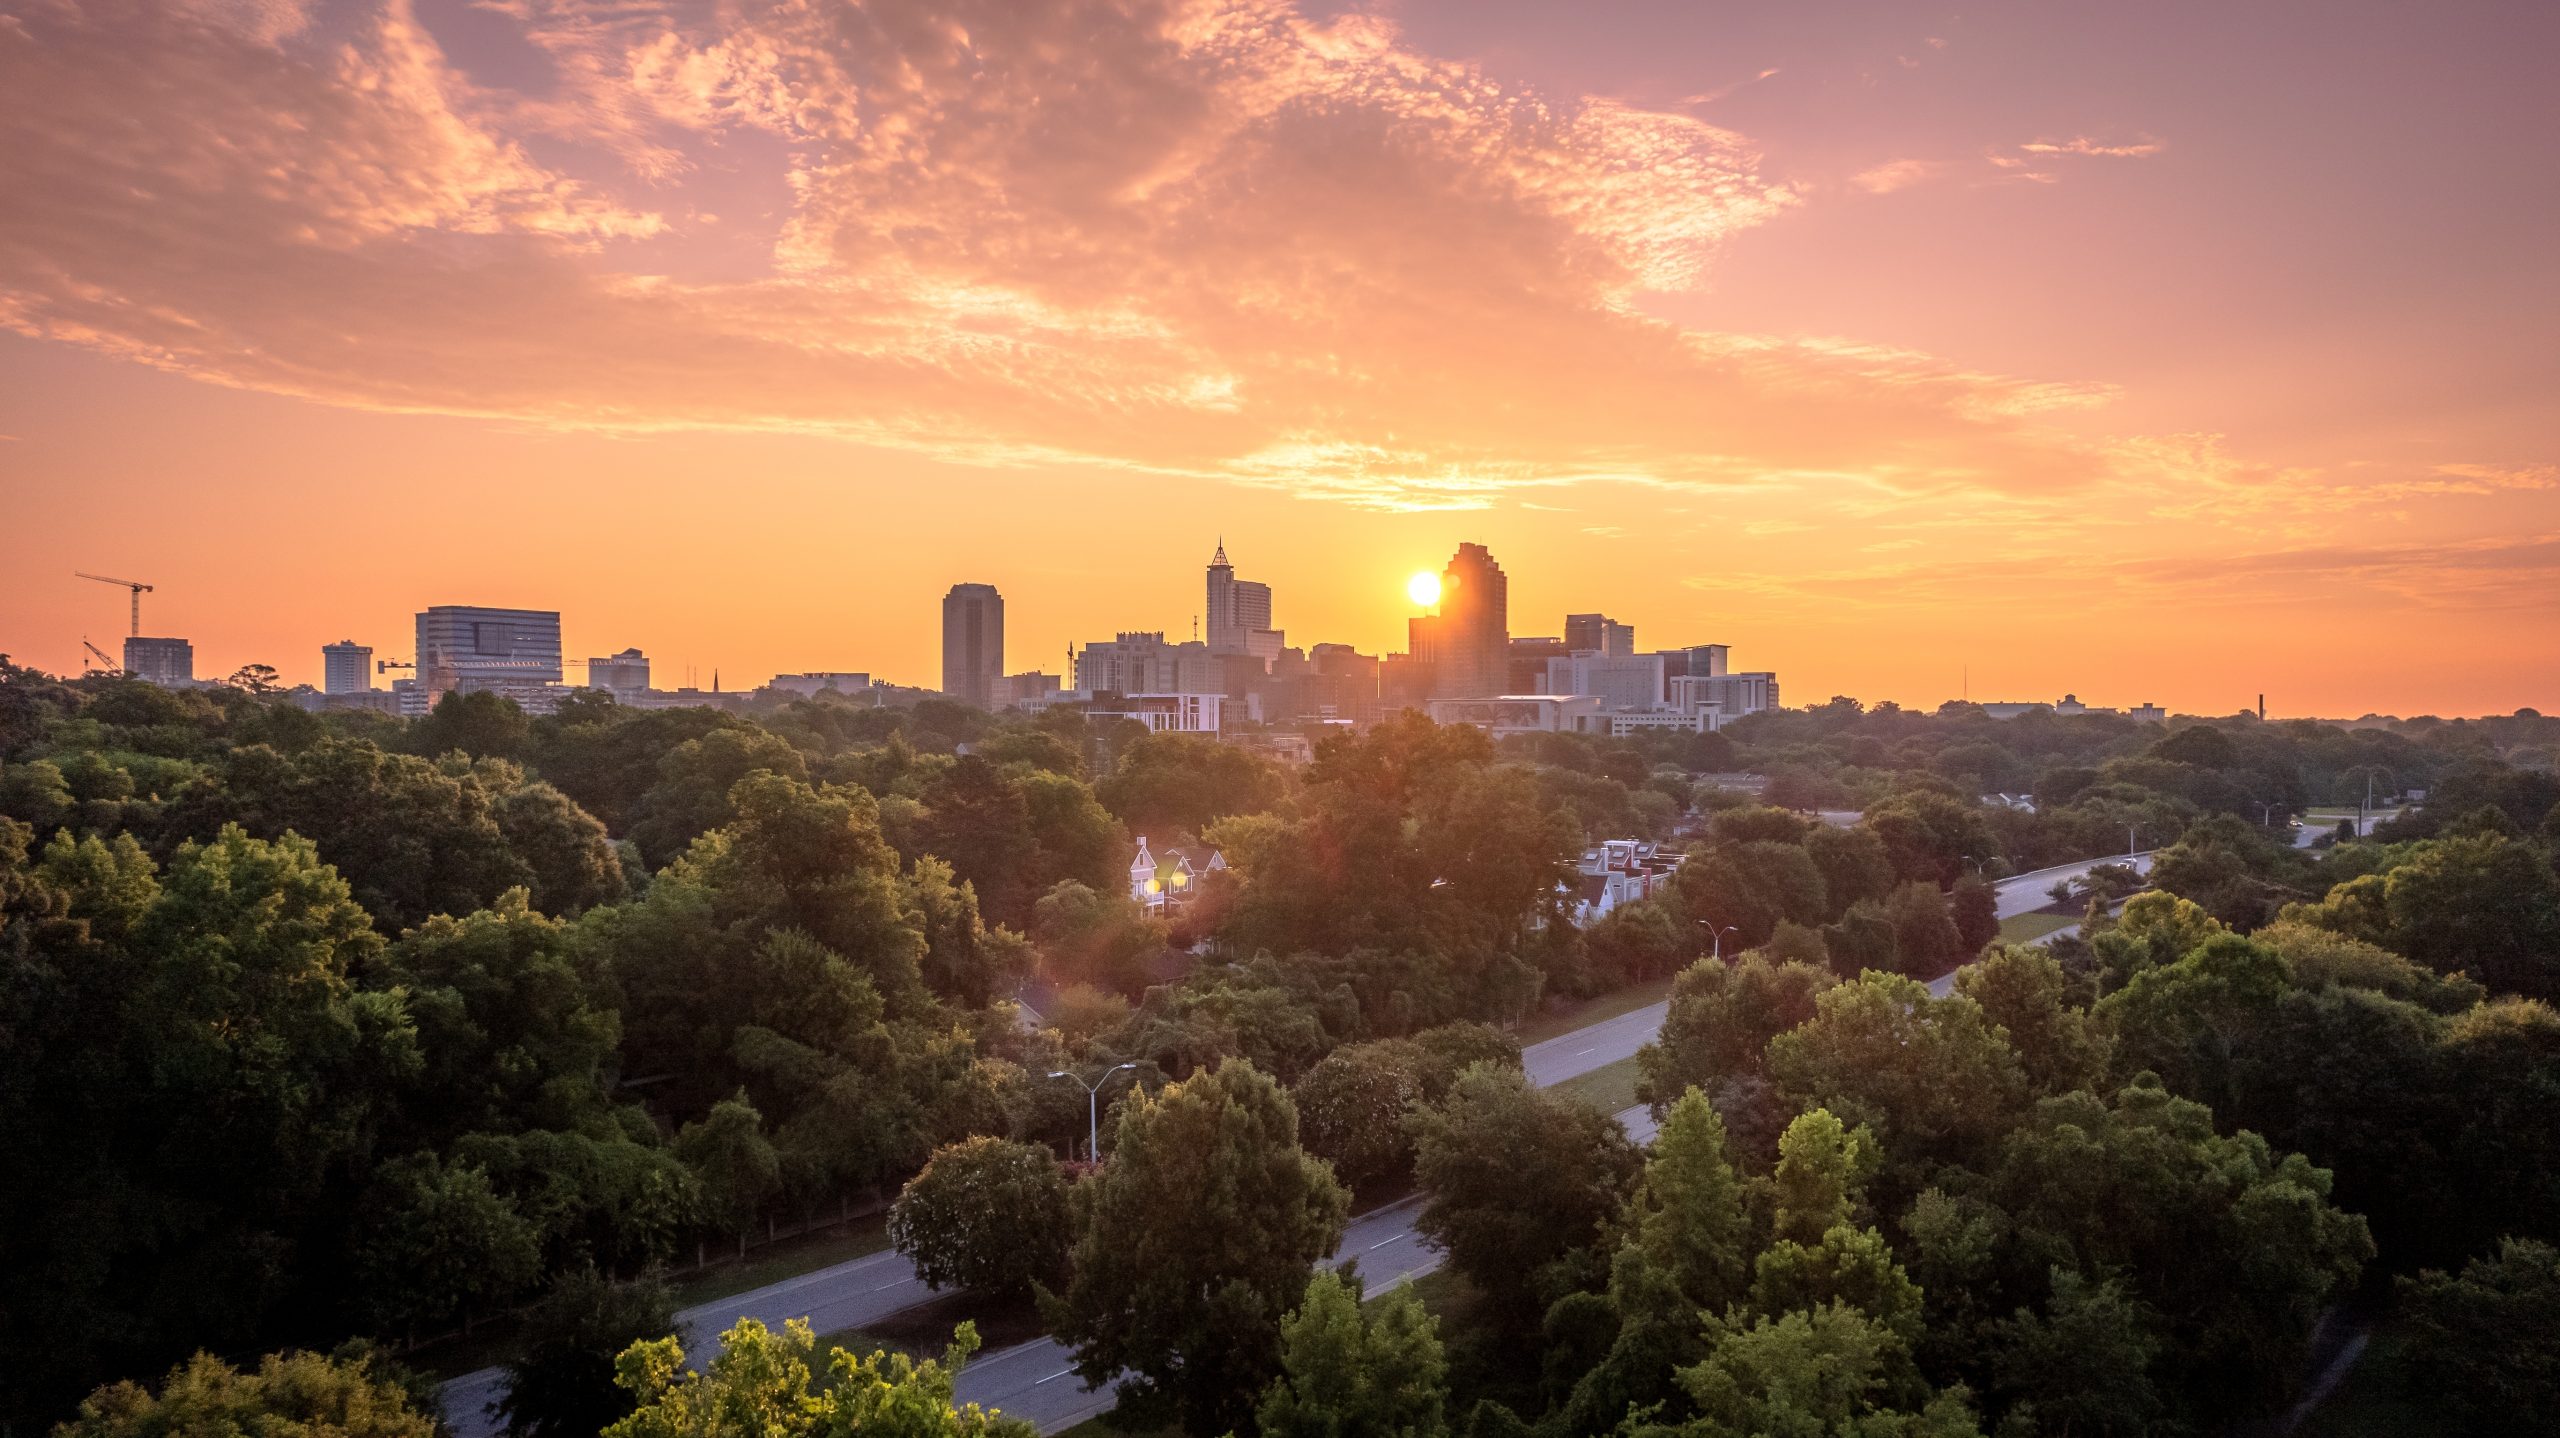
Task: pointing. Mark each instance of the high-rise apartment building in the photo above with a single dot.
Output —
(1468, 643)
(1598, 634)
(619, 674)
(972, 643)
(169, 663)
(346, 667)
(471, 649)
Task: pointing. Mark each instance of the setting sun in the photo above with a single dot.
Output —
(1423, 589)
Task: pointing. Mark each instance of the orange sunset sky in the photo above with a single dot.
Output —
(2170, 352)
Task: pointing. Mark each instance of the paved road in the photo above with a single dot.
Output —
(845, 1295)
(1595, 1046)
(1033, 1380)
(2028, 892)
(2312, 831)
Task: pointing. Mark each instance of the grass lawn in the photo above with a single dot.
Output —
(1547, 1023)
(2020, 928)
(788, 1258)
(1609, 1088)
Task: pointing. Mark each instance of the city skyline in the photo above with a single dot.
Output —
(2132, 354)
(1616, 637)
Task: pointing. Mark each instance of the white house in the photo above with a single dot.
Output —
(1157, 881)
(1619, 871)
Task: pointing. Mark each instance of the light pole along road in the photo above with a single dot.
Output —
(1033, 1381)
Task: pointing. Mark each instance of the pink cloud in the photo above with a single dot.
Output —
(1186, 236)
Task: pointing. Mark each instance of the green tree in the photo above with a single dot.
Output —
(561, 1384)
(2083, 1364)
(1935, 1078)
(2142, 1186)
(2486, 1343)
(1928, 836)
(1854, 865)
(291, 1395)
(480, 724)
(1352, 1107)
(1685, 1254)
(735, 1164)
(1823, 1170)
(1926, 942)
(1196, 1238)
(572, 862)
(1975, 907)
(691, 793)
(2488, 906)
(1827, 1372)
(1166, 784)
(1720, 1020)
(985, 1214)
(2023, 990)
(1354, 1371)
(764, 1384)
(1519, 1181)
(438, 1242)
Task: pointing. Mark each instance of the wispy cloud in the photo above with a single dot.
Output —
(1895, 175)
(2083, 145)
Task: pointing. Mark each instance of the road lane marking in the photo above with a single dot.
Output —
(1383, 1242)
(1061, 1373)
(1595, 1048)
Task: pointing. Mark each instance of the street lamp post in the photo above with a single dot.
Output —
(1093, 1108)
(1716, 934)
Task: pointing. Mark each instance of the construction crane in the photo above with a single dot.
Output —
(104, 662)
(138, 591)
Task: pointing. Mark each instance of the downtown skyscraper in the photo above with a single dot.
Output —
(972, 643)
(1467, 644)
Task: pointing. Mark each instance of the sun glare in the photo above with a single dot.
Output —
(1423, 589)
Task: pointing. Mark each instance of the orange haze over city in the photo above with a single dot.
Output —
(2174, 353)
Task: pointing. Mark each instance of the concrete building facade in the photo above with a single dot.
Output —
(474, 649)
(972, 643)
(346, 667)
(169, 663)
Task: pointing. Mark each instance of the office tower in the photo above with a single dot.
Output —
(1238, 613)
(169, 663)
(1144, 662)
(1694, 661)
(471, 649)
(1620, 681)
(1598, 634)
(1528, 662)
(619, 674)
(1468, 643)
(972, 643)
(346, 667)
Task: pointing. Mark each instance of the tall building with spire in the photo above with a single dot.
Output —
(1239, 613)
(1467, 645)
(972, 643)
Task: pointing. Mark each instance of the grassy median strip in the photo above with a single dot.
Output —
(1608, 1088)
(2026, 928)
(786, 1258)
